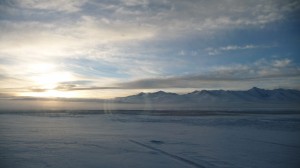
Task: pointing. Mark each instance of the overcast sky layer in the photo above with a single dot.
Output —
(113, 48)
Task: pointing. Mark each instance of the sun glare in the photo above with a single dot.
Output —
(52, 78)
(47, 77)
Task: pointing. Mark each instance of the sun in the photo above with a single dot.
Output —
(51, 79)
(46, 77)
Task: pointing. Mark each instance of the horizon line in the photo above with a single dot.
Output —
(36, 98)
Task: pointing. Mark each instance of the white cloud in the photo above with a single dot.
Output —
(94, 30)
(84, 38)
(207, 16)
(216, 51)
(56, 5)
(235, 47)
(136, 20)
(135, 2)
(281, 63)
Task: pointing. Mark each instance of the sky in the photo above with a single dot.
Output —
(113, 48)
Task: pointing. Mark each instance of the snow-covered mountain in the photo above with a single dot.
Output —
(251, 95)
(254, 97)
(158, 97)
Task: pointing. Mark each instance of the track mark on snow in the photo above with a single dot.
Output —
(273, 143)
(192, 163)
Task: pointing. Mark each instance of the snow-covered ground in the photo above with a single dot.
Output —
(66, 140)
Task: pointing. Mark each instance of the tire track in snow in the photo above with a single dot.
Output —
(273, 143)
(192, 163)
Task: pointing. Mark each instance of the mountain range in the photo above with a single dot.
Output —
(207, 99)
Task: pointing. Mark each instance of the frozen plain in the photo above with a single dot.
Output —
(75, 140)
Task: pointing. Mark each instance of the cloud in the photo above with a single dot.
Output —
(207, 16)
(261, 73)
(221, 76)
(234, 47)
(260, 70)
(217, 51)
(56, 5)
(2, 77)
(81, 85)
(35, 39)
(6, 95)
(89, 38)
(113, 42)
(119, 23)
(169, 17)
(281, 63)
(135, 2)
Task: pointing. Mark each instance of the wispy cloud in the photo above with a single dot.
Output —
(56, 5)
(281, 63)
(216, 51)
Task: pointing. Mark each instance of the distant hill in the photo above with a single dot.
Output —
(218, 99)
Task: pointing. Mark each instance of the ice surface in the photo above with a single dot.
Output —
(122, 140)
